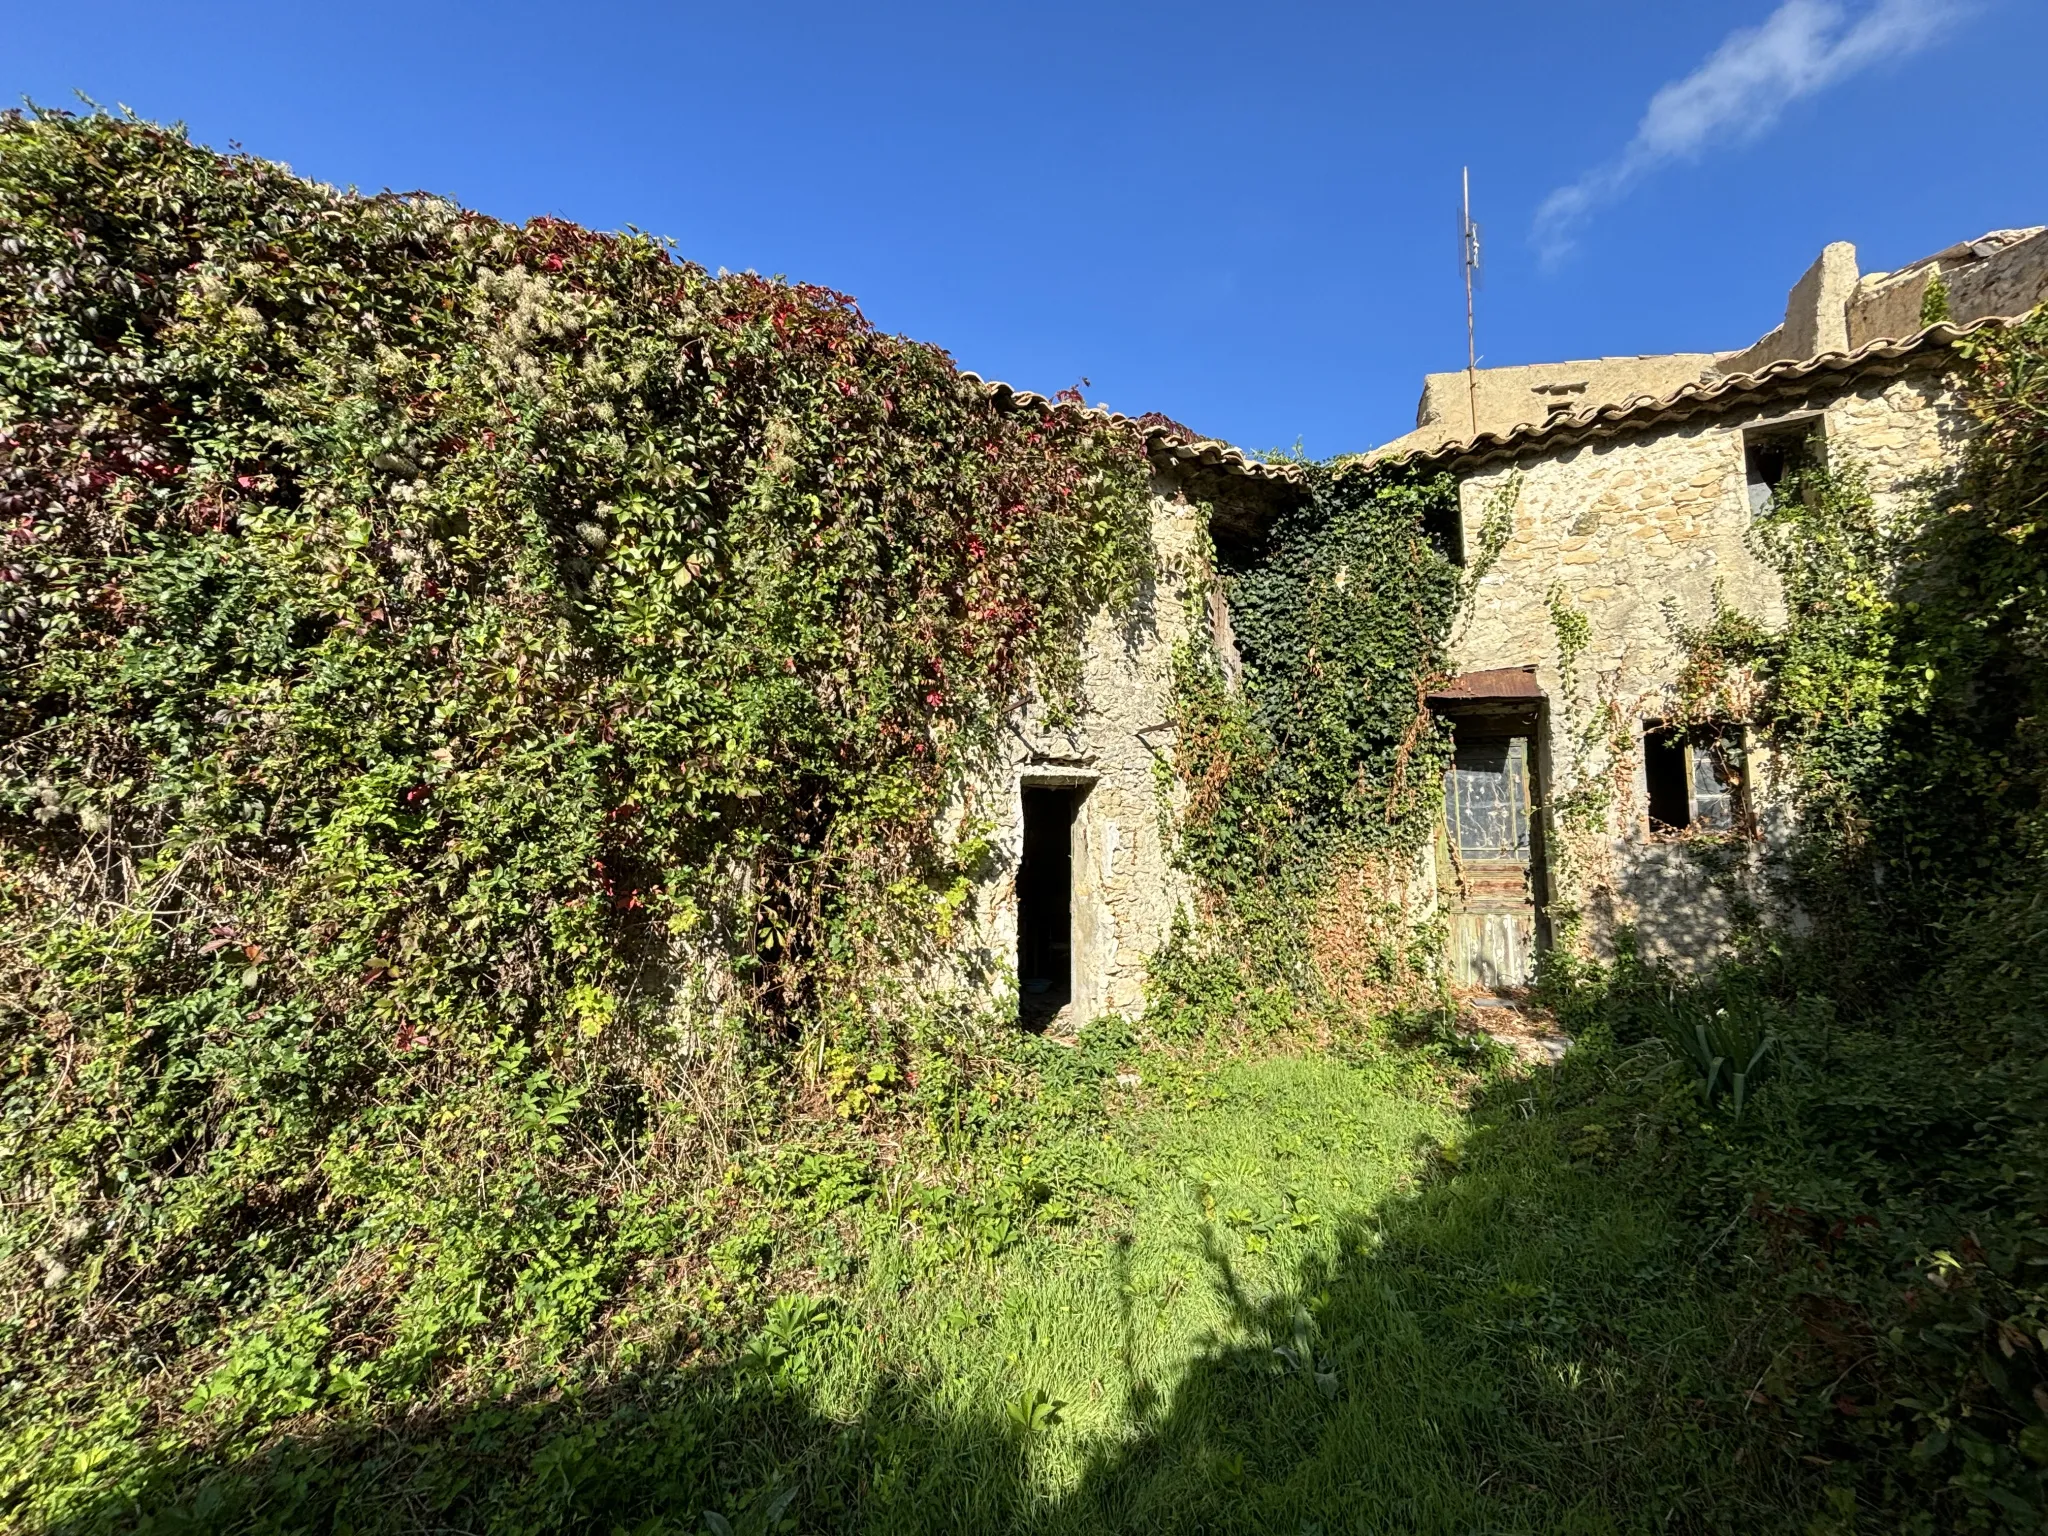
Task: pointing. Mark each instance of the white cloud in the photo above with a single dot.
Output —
(1802, 48)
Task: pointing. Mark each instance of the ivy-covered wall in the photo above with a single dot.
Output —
(1309, 783)
(452, 675)
(1906, 689)
(1106, 747)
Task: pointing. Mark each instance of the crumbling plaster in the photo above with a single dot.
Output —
(1641, 533)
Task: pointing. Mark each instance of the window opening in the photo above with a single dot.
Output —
(1771, 453)
(1045, 904)
(1664, 775)
(1694, 778)
(1716, 783)
(1487, 795)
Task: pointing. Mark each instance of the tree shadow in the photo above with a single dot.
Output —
(1524, 1341)
(1518, 1342)
(662, 1449)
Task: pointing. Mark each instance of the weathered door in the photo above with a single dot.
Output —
(1492, 887)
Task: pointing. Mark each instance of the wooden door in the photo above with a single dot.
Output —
(1492, 886)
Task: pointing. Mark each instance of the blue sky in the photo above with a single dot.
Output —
(1242, 215)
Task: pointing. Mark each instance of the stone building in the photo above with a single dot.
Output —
(1832, 308)
(1082, 885)
(1605, 507)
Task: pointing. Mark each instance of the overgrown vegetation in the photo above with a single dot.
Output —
(447, 668)
(1896, 1224)
(1310, 787)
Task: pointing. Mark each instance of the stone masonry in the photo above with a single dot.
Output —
(1125, 889)
(1641, 533)
(1632, 500)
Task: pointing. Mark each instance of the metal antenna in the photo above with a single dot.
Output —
(1468, 258)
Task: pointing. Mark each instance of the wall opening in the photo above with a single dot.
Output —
(1492, 840)
(1695, 779)
(1045, 903)
(1664, 777)
(1770, 453)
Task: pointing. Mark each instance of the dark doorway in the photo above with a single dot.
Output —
(1045, 904)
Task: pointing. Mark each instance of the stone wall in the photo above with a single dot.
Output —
(1641, 533)
(2002, 273)
(1125, 888)
(1816, 315)
(1832, 309)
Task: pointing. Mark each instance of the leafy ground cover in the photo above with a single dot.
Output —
(472, 703)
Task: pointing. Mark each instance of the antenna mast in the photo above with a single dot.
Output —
(1468, 259)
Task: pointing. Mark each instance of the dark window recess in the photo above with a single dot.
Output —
(1487, 791)
(1769, 454)
(1694, 777)
(1045, 887)
(1664, 774)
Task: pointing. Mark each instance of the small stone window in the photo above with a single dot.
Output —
(1696, 779)
(1776, 449)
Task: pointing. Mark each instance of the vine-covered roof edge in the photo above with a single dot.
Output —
(1161, 442)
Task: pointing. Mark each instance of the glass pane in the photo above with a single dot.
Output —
(1487, 800)
(1713, 785)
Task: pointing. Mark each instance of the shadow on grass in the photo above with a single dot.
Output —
(1521, 1342)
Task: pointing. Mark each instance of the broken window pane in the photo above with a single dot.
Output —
(1717, 780)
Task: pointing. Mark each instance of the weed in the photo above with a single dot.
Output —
(760, 1516)
(1033, 1412)
(1299, 1354)
(1729, 1052)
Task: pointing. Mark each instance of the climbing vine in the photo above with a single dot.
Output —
(448, 671)
(1904, 695)
(1310, 788)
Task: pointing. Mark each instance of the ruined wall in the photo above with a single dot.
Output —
(2002, 273)
(1638, 533)
(1125, 888)
(1830, 309)
(1816, 315)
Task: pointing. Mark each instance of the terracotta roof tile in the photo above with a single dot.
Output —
(1568, 428)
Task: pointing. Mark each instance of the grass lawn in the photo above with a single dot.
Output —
(1323, 1299)
(1293, 1294)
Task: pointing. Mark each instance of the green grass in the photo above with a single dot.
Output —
(1286, 1295)
(1481, 1334)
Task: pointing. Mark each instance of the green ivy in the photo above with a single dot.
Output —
(1905, 694)
(1323, 759)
